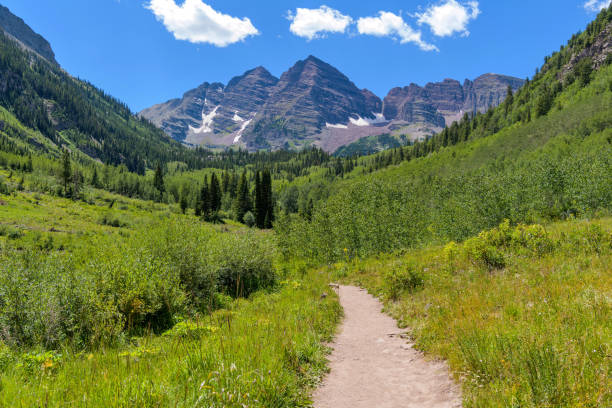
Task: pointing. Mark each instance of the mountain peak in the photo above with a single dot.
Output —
(260, 71)
(315, 60)
(19, 31)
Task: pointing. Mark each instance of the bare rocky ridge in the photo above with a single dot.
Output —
(442, 103)
(177, 116)
(18, 30)
(599, 51)
(315, 104)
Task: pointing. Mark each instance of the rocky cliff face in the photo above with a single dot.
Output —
(487, 91)
(178, 116)
(411, 105)
(444, 102)
(315, 104)
(308, 97)
(599, 51)
(18, 30)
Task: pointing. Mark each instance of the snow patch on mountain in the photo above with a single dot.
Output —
(207, 121)
(237, 118)
(241, 131)
(336, 126)
(361, 122)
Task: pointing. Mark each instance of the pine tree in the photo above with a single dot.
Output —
(242, 204)
(95, 181)
(266, 186)
(158, 181)
(260, 205)
(66, 170)
(309, 210)
(183, 203)
(509, 99)
(205, 200)
(76, 183)
(214, 194)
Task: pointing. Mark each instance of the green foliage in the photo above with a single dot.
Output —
(249, 219)
(266, 352)
(535, 333)
(402, 279)
(192, 330)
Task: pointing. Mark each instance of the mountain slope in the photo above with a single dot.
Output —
(17, 29)
(311, 95)
(313, 103)
(67, 112)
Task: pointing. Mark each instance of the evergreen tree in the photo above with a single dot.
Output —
(158, 181)
(66, 170)
(214, 194)
(95, 181)
(544, 102)
(205, 208)
(260, 205)
(183, 203)
(266, 186)
(242, 204)
(509, 99)
(76, 183)
(309, 210)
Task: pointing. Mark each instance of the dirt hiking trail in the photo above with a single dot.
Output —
(372, 366)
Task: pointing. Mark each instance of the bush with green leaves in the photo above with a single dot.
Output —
(111, 287)
(402, 278)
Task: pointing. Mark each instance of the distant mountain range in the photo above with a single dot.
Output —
(313, 103)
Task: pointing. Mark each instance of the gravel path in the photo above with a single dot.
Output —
(373, 367)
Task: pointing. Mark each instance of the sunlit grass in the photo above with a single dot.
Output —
(535, 333)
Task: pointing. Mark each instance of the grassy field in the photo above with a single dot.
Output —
(120, 302)
(523, 315)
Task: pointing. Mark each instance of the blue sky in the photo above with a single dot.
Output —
(130, 48)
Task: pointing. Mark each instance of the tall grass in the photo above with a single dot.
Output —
(533, 330)
(263, 352)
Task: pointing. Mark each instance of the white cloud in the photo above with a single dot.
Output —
(314, 23)
(197, 22)
(596, 5)
(450, 17)
(391, 25)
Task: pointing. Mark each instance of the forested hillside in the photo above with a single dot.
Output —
(74, 114)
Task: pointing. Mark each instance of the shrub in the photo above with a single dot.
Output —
(131, 285)
(402, 279)
(249, 219)
(113, 221)
(190, 330)
(533, 237)
(479, 250)
(245, 269)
